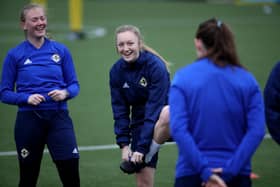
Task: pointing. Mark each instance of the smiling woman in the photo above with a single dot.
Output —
(43, 72)
(139, 83)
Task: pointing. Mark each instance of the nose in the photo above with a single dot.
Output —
(125, 47)
(41, 21)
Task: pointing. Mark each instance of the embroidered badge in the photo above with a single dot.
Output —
(24, 153)
(143, 82)
(56, 58)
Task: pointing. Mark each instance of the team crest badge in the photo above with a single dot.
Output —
(56, 58)
(24, 153)
(143, 82)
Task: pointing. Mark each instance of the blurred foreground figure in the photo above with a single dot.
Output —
(216, 113)
(272, 103)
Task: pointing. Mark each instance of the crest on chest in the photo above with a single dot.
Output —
(143, 82)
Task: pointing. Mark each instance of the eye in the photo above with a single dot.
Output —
(42, 18)
(130, 43)
(34, 19)
(120, 44)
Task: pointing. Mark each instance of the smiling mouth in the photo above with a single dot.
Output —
(41, 28)
(128, 54)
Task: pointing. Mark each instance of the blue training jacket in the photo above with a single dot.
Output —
(272, 103)
(28, 70)
(139, 90)
(216, 119)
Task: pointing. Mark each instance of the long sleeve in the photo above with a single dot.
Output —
(179, 125)
(120, 113)
(7, 87)
(254, 133)
(157, 98)
(69, 74)
(272, 103)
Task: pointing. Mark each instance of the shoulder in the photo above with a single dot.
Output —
(150, 58)
(275, 71)
(56, 44)
(194, 67)
(18, 51)
(152, 62)
(20, 47)
(273, 80)
(117, 66)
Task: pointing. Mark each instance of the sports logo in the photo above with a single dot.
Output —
(27, 61)
(125, 85)
(24, 153)
(143, 82)
(75, 151)
(56, 58)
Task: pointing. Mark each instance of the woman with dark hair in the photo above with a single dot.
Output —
(216, 113)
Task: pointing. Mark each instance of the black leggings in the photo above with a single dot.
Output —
(68, 172)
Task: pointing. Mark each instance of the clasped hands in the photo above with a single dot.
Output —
(56, 95)
(128, 155)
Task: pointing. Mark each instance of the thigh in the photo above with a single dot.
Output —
(61, 138)
(145, 177)
(188, 181)
(30, 135)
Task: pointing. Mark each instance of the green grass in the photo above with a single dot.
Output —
(168, 27)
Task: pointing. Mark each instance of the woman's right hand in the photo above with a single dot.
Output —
(35, 99)
(126, 153)
(215, 181)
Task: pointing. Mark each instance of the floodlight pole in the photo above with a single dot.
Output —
(75, 19)
(41, 2)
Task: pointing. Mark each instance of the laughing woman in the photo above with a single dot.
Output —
(139, 83)
(43, 73)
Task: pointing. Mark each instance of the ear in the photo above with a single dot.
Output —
(22, 25)
(141, 44)
(201, 50)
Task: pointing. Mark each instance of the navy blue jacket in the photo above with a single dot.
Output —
(139, 90)
(272, 103)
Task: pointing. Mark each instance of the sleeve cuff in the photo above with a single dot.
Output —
(205, 175)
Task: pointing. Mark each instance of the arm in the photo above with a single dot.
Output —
(8, 81)
(120, 113)
(272, 103)
(70, 77)
(158, 91)
(179, 122)
(254, 132)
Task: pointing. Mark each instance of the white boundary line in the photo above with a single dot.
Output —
(92, 148)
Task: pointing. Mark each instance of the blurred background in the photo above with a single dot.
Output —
(87, 27)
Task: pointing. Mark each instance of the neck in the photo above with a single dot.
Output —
(37, 42)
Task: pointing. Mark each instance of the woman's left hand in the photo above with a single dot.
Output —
(58, 95)
(137, 157)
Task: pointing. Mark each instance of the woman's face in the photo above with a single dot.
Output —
(201, 51)
(35, 23)
(128, 46)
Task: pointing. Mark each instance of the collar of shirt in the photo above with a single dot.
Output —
(138, 63)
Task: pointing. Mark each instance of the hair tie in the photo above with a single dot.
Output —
(219, 23)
